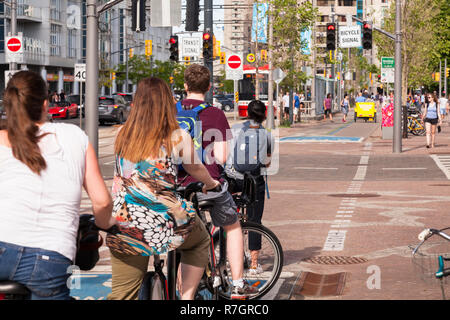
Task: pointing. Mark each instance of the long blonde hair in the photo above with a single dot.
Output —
(151, 122)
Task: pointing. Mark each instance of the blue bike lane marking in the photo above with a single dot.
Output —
(90, 286)
(320, 139)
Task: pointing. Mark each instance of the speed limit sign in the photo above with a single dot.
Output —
(80, 72)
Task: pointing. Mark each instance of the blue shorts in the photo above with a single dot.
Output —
(43, 272)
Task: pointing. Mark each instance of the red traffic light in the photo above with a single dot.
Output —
(366, 26)
(172, 40)
(206, 36)
(331, 27)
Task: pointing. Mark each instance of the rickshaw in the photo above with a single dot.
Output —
(366, 110)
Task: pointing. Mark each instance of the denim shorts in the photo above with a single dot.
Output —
(43, 272)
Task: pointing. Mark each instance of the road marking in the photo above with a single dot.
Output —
(364, 160)
(314, 168)
(335, 240)
(320, 139)
(404, 168)
(360, 173)
(438, 159)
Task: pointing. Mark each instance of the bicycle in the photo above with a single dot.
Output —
(431, 266)
(415, 126)
(270, 255)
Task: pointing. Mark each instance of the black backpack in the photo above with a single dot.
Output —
(250, 146)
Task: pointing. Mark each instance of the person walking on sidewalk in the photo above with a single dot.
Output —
(432, 118)
(345, 103)
(327, 107)
(43, 168)
(443, 106)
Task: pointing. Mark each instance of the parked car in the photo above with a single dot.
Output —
(216, 103)
(226, 100)
(75, 99)
(112, 109)
(63, 110)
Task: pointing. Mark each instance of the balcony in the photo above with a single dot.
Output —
(28, 13)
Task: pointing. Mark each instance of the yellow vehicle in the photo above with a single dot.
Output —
(366, 110)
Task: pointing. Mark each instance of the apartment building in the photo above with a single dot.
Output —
(54, 36)
(238, 25)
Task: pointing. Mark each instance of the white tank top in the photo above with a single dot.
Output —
(43, 211)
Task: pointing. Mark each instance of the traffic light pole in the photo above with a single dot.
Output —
(397, 141)
(208, 18)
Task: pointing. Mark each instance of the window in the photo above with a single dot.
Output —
(55, 40)
(347, 3)
(325, 3)
(55, 10)
(72, 43)
(2, 34)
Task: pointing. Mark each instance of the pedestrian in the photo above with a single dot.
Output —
(259, 136)
(432, 118)
(360, 97)
(216, 138)
(286, 105)
(327, 107)
(43, 168)
(296, 108)
(55, 97)
(344, 107)
(443, 106)
(148, 149)
(62, 96)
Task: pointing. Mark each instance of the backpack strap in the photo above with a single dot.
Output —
(179, 106)
(200, 107)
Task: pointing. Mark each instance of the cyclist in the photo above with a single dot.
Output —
(43, 168)
(215, 129)
(256, 115)
(152, 218)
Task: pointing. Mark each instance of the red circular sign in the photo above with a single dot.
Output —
(234, 62)
(13, 44)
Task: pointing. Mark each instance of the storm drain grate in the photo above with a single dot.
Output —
(335, 260)
(354, 195)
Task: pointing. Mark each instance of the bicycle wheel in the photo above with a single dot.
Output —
(270, 259)
(417, 128)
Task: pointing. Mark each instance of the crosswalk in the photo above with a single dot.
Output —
(443, 163)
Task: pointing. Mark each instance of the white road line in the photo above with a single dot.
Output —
(314, 168)
(442, 166)
(335, 240)
(364, 160)
(404, 168)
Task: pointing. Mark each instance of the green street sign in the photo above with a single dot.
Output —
(387, 62)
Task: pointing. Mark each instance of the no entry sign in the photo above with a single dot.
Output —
(14, 44)
(14, 49)
(234, 67)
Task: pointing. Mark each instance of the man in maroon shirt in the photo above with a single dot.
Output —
(215, 135)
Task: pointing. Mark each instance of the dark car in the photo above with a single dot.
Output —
(112, 109)
(226, 100)
(128, 97)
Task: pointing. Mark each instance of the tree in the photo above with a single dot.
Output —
(139, 67)
(418, 18)
(290, 20)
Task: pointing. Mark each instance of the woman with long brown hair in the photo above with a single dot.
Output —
(43, 167)
(152, 218)
(432, 118)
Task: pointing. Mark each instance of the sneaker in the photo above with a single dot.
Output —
(255, 270)
(243, 293)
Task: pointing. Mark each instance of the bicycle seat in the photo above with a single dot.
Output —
(12, 287)
(205, 204)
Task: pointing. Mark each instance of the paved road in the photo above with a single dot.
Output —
(335, 197)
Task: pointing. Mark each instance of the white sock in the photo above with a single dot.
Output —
(238, 283)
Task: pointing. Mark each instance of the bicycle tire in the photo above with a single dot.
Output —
(272, 268)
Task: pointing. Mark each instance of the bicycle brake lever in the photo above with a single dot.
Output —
(424, 235)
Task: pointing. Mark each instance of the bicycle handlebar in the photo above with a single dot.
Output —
(195, 187)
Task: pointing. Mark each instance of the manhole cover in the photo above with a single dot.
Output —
(335, 260)
(354, 195)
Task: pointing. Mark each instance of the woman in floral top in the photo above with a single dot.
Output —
(153, 218)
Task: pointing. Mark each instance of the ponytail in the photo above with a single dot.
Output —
(24, 99)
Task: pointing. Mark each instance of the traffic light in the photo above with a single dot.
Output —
(192, 13)
(173, 41)
(207, 46)
(131, 53)
(264, 55)
(187, 61)
(138, 15)
(148, 48)
(331, 36)
(223, 56)
(447, 72)
(366, 36)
